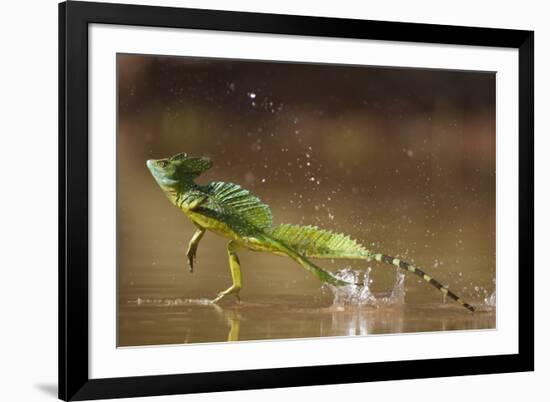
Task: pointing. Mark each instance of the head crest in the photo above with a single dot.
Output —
(191, 164)
(180, 156)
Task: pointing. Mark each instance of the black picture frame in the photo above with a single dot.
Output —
(74, 18)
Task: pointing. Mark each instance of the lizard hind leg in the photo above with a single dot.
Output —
(235, 267)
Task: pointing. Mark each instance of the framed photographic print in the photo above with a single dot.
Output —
(256, 200)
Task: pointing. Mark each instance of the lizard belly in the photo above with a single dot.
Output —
(224, 230)
(214, 225)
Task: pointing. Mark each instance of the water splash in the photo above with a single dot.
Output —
(491, 301)
(170, 302)
(355, 295)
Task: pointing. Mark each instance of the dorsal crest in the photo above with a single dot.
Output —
(318, 243)
(232, 199)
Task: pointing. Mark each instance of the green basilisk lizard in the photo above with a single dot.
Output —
(233, 212)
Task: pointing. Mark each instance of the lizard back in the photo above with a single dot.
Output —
(231, 200)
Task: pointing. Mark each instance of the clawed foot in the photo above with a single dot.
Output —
(233, 289)
(191, 257)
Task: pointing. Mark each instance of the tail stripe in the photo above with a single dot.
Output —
(408, 267)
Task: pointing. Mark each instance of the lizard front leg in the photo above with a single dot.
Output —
(193, 245)
(235, 267)
(191, 200)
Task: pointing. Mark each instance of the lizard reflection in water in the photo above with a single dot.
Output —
(233, 212)
(233, 319)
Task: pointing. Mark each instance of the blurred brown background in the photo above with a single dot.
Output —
(401, 159)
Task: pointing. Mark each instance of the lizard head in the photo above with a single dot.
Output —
(168, 172)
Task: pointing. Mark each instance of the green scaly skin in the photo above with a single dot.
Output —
(232, 212)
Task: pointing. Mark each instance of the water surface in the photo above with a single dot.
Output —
(402, 160)
(178, 321)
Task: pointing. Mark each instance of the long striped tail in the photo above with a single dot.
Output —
(415, 270)
(305, 242)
